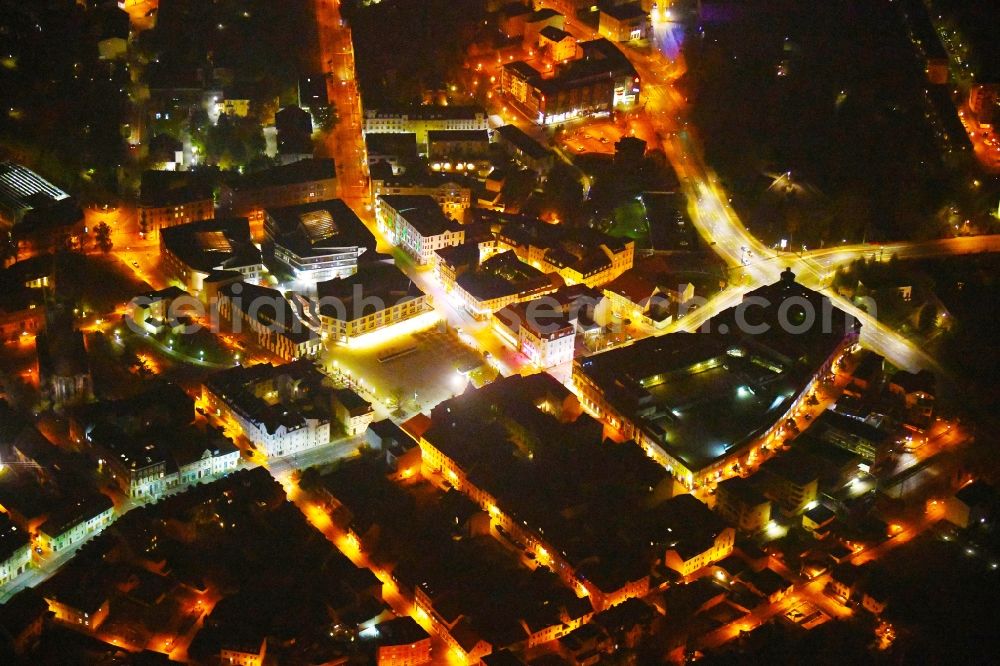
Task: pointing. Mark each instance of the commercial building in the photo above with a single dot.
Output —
(23, 298)
(294, 132)
(171, 198)
(281, 410)
(647, 293)
(242, 649)
(697, 538)
(601, 80)
(147, 462)
(292, 184)
(545, 330)
(87, 607)
(160, 311)
(856, 435)
(791, 480)
(666, 392)
(417, 225)
(314, 97)
(422, 119)
(624, 23)
(538, 20)
(192, 252)
(270, 319)
(378, 296)
(977, 503)
(318, 241)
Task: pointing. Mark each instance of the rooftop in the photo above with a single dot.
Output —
(554, 34)
(70, 515)
(12, 538)
(172, 188)
(375, 287)
(481, 136)
(527, 145)
(210, 245)
(351, 401)
(303, 171)
(795, 466)
(318, 227)
(428, 112)
(742, 489)
(400, 631)
(674, 386)
(627, 12)
(503, 275)
(398, 144)
(21, 189)
(551, 470)
(272, 309)
(422, 213)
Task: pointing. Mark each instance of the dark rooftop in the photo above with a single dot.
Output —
(675, 385)
(527, 145)
(240, 387)
(481, 136)
(625, 12)
(553, 33)
(71, 515)
(172, 188)
(375, 286)
(400, 631)
(428, 112)
(303, 171)
(421, 212)
(319, 226)
(209, 245)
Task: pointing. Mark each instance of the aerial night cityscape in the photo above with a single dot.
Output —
(501, 332)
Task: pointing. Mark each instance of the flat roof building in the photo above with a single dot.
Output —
(191, 252)
(319, 240)
(377, 296)
(749, 361)
(23, 190)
